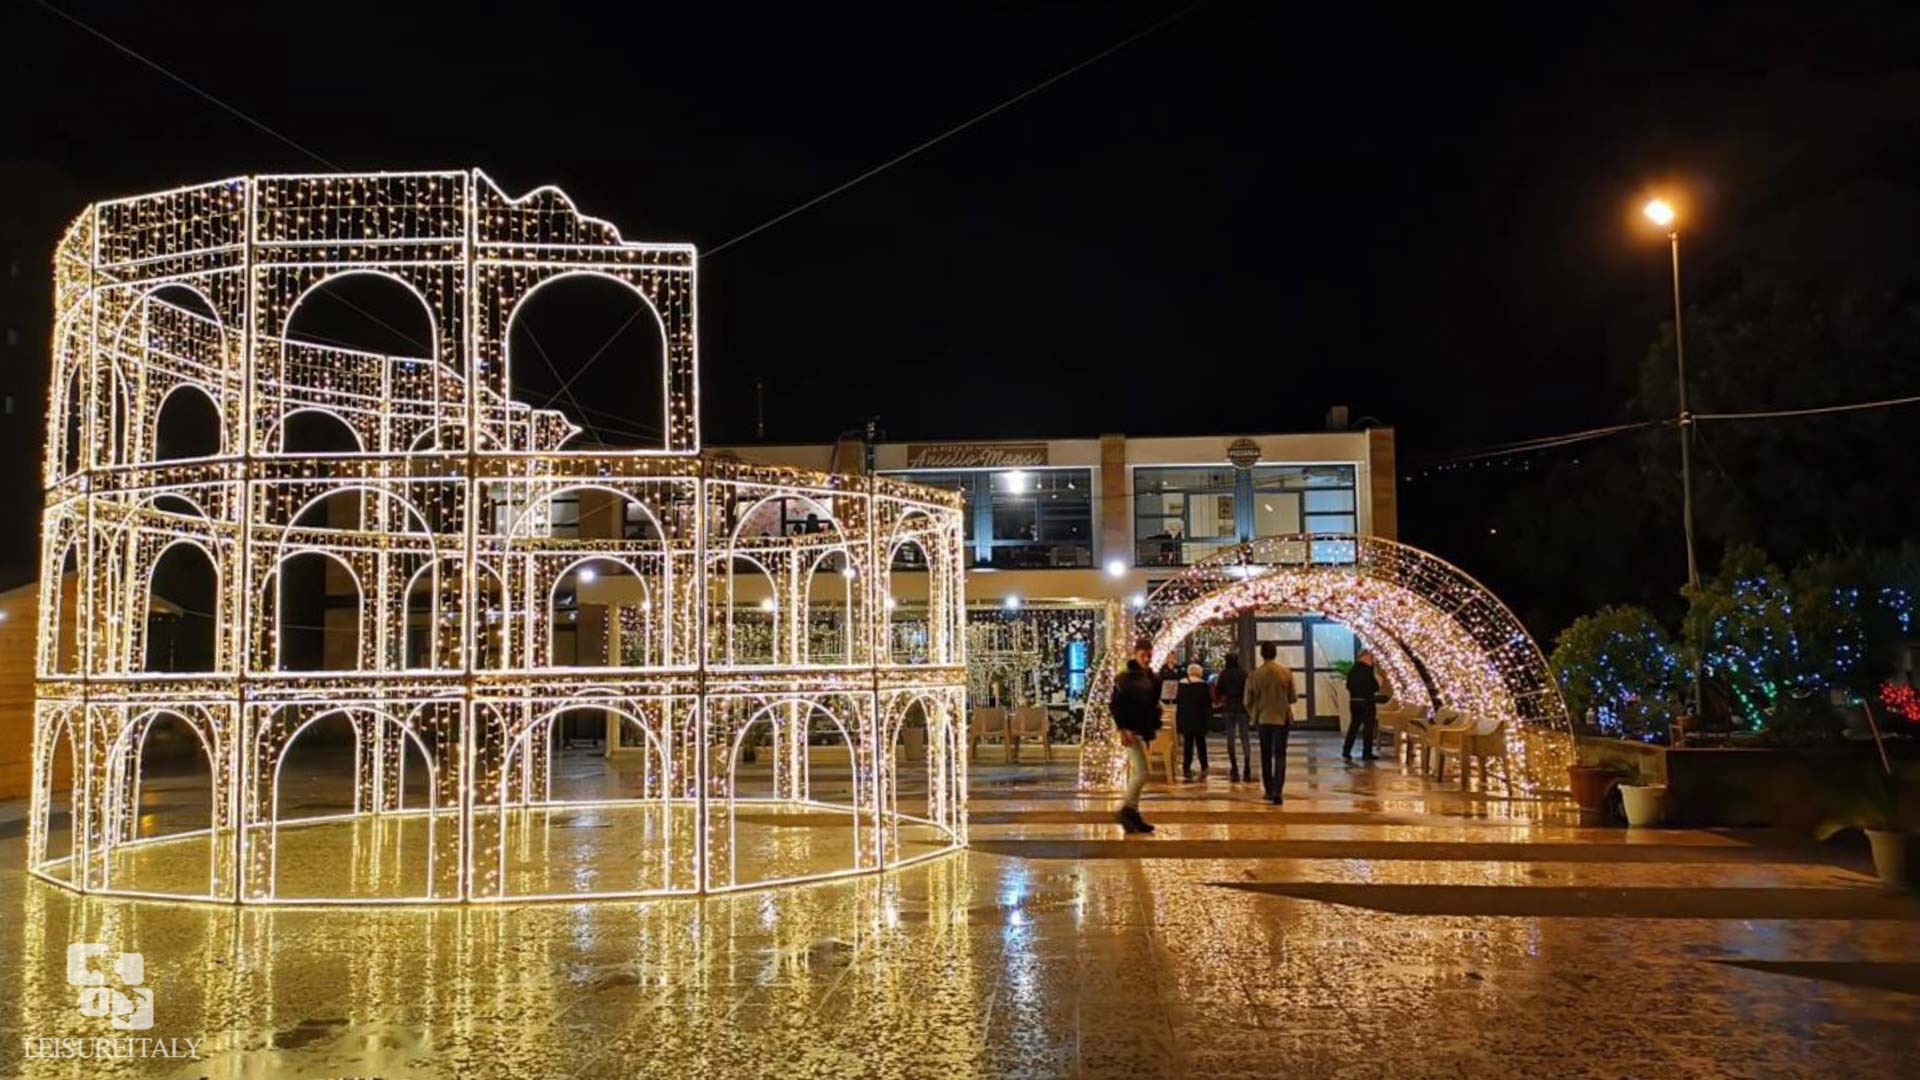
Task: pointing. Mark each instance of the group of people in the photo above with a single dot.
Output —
(1259, 700)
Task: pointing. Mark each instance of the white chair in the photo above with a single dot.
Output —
(1434, 738)
(1464, 742)
(1030, 725)
(1397, 727)
(989, 724)
(1162, 747)
(1487, 741)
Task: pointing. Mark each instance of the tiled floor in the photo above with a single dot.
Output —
(1376, 925)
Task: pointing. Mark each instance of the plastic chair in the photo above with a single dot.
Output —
(1030, 724)
(1437, 736)
(1487, 741)
(1400, 727)
(989, 724)
(1162, 747)
(1465, 741)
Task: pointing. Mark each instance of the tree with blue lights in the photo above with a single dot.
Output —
(1620, 669)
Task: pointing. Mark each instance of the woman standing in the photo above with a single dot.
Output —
(1192, 712)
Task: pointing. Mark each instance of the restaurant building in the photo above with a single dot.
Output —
(1057, 528)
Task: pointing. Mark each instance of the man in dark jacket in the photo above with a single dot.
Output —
(1363, 700)
(1135, 706)
(1229, 690)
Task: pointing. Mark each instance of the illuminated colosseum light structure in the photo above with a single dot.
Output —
(777, 655)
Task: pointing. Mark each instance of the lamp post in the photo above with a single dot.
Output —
(1661, 213)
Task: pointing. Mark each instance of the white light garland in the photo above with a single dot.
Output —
(1443, 640)
(724, 630)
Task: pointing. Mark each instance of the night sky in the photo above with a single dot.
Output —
(1244, 217)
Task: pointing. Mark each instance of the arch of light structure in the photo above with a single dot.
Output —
(793, 696)
(1442, 639)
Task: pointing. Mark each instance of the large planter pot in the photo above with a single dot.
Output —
(1591, 784)
(1646, 804)
(1893, 853)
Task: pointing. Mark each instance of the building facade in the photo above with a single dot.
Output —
(1057, 528)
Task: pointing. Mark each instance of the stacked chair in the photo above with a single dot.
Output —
(988, 725)
(1030, 725)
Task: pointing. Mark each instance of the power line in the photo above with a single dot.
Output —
(1545, 442)
(957, 128)
(897, 159)
(183, 82)
(567, 384)
(1820, 410)
(537, 347)
(333, 295)
(1549, 442)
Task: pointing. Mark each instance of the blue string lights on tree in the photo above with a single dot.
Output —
(1770, 636)
(1619, 668)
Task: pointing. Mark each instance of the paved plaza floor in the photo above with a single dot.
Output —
(1379, 924)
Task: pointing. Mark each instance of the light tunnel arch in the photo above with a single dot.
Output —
(1463, 647)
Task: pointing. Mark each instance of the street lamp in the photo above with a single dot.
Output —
(1661, 213)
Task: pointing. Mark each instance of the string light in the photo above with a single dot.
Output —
(1443, 640)
(445, 550)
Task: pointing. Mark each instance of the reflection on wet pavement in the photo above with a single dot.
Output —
(1377, 925)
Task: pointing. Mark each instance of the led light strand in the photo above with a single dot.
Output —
(457, 536)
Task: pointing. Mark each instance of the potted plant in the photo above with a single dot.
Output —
(1591, 785)
(1879, 804)
(1645, 804)
(1874, 802)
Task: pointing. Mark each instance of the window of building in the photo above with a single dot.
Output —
(1022, 519)
(1184, 514)
(564, 517)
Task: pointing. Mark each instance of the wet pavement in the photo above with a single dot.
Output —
(1376, 925)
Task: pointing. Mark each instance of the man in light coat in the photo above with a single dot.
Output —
(1270, 696)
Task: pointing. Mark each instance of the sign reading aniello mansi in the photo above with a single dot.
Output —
(976, 455)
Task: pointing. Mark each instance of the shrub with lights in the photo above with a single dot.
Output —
(1621, 672)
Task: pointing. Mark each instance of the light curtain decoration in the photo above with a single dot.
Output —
(725, 632)
(1442, 639)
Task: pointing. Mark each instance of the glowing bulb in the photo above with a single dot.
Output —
(848, 572)
(1139, 600)
(1012, 601)
(1116, 568)
(891, 603)
(767, 604)
(1660, 212)
(1017, 481)
(588, 573)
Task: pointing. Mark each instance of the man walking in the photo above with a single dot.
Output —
(1270, 699)
(1135, 705)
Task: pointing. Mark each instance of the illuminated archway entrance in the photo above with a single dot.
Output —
(1442, 638)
